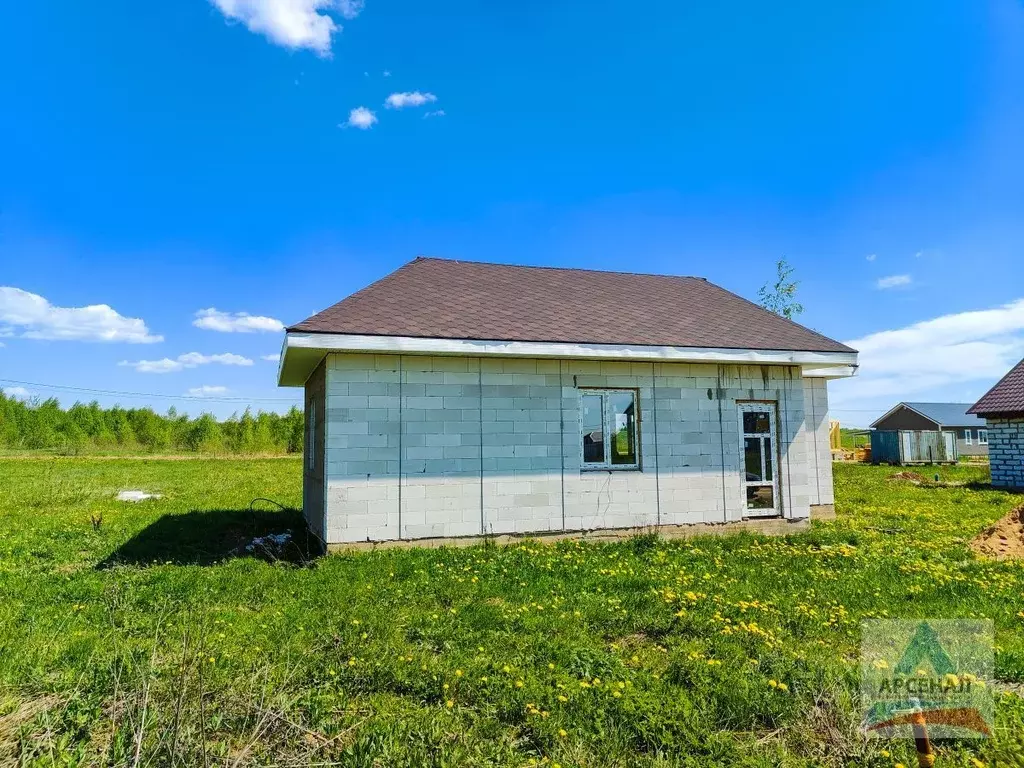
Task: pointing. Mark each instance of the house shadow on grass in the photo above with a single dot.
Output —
(208, 537)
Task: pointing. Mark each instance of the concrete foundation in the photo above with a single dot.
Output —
(767, 527)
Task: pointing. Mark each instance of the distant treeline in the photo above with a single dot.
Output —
(45, 425)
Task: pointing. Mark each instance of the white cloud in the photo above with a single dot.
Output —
(188, 360)
(239, 322)
(206, 391)
(18, 393)
(435, 113)
(387, 73)
(292, 23)
(36, 318)
(274, 358)
(361, 118)
(871, 256)
(893, 281)
(349, 9)
(977, 346)
(409, 99)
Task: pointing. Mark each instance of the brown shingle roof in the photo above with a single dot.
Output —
(443, 298)
(1005, 397)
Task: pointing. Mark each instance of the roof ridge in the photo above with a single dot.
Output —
(933, 402)
(557, 269)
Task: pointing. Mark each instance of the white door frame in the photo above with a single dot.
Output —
(769, 460)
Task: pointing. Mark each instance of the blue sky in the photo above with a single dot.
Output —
(168, 158)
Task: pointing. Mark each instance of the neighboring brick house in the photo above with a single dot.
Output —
(971, 435)
(1003, 410)
(464, 399)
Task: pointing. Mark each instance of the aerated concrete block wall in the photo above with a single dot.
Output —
(313, 477)
(422, 447)
(820, 450)
(1006, 452)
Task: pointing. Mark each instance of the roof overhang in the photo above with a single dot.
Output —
(986, 415)
(302, 353)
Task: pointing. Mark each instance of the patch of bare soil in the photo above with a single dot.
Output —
(1004, 540)
(913, 477)
(16, 715)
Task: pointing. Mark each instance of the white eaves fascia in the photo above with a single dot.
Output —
(302, 352)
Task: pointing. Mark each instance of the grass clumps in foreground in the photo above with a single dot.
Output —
(150, 638)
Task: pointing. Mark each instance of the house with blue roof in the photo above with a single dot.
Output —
(971, 431)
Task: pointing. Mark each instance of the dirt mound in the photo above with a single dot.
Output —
(914, 477)
(1004, 540)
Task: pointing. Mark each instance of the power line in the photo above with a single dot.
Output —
(115, 393)
(856, 410)
(86, 390)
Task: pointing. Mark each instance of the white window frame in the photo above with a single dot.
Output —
(311, 437)
(605, 394)
(771, 409)
(968, 437)
(982, 436)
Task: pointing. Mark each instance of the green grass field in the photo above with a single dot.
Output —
(139, 635)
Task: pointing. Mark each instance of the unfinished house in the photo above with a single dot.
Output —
(462, 399)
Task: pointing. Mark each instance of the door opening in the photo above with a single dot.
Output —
(758, 457)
